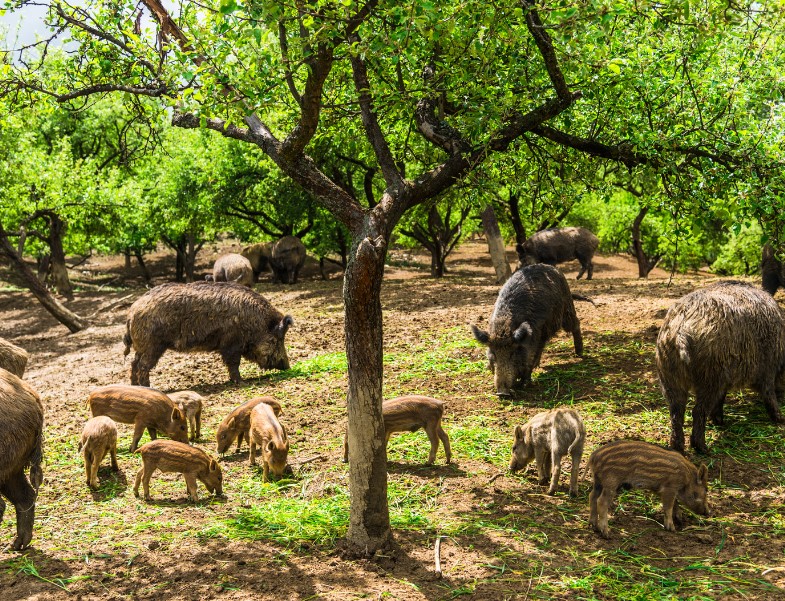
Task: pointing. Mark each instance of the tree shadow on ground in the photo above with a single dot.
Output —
(450, 470)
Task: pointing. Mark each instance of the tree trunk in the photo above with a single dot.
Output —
(127, 254)
(645, 264)
(190, 258)
(43, 267)
(58, 267)
(515, 218)
(145, 272)
(495, 245)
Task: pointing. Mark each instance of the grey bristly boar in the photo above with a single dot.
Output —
(230, 319)
(260, 256)
(724, 337)
(143, 407)
(638, 464)
(237, 424)
(531, 307)
(21, 446)
(557, 245)
(233, 268)
(270, 436)
(171, 456)
(190, 403)
(546, 438)
(409, 414)
(13, 358)
(99, 437)
(287, 258)
(773, 275)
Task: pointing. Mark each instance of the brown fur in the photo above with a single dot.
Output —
(409, 414)
(13, 358)
(644, 465)
(267, 433)
(259, 255)
(238, 423)
(99, 437)
(143, 407)
(171, 456)
(233, 268)
(21, 445)
(190, 403)
(288, 257)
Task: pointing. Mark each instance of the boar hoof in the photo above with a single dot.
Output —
(21, 542)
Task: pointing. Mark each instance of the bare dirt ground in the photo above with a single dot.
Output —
(95, 545)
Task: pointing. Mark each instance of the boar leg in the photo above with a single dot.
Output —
(769, 398)
(138, 431)
(576, 467)
(677, 405)
(265, 471)
(445, 442)
(584, 266)
(590, 267)
(577, 339)
(152, 432)
(668, 503)
(88, 467)
(18, 490)
(113, 455)
(717, 414)
(556, 469)
(190, 484)
(198, 424)
(240, 437)
(252, 444)
(231, 358)
(96, 461)
(543, 459)
(431, 430)
(704, 401)
(603, 502)
(144, 475)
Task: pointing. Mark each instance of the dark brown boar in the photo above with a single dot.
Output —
(143, 407)
(21, 446)
(231, 319)
(409, 414)
(557, 245)
(260, 256)
(237, 424)
(13, 358)
(99, 437)
(171, 456)
(724, 337)
(233, 268)
(639, 464)
(190, 403)
(287, 258)
(270, 436)
(773, 275)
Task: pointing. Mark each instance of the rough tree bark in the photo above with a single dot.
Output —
(57, 266)
(495, 245)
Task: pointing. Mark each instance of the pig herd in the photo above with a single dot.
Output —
(715, 340)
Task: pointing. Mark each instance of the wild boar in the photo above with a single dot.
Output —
(270, 436)
(287, 258)
(724, 337)
(231, 319)
(13, 358)
(260, 256)
(557, 245)
(531, 307)
(409, 414)
(21, 446)
(99, 437)
(546, 438)
(143, 407)
(190, 403)
(171, 456)
(233, 268)
(237, 424)
(638, 464)
(773, 275)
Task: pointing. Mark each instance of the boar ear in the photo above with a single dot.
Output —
(281, 328)
(522, 333)
(230, 423)
(213, 465)
(271, 446)
(480, 335)
(703, 474)
(518, 433)
(177, 414)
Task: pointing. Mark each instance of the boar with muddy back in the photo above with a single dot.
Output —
(99, 437)
(547, 438)
(557, 245)
(237, 424)
(190, 403)
(721, 338)
(170, 456)
(638, 464)
(233, 268)
(21, 446)
(13, 358)
(260, 256)
(202, 317)
(287, 258)
(143, 407)
(270, 436)
(409, 414)
(532, 306)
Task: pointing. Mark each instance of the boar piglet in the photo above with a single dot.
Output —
(237, 424)
(639, 464)
(99, 437)
(143, 407)
(190, 403)
(13, 358)
(270, 436)
(233, 268)
(409, 414)
(171, 456)
(546, 438)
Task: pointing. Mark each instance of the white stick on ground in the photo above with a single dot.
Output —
(436, 556)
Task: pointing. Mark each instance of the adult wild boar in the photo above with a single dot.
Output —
(557, 245)
(773, 275)
(13, 358)
(288, 256)
(724, 337)
(21, 446)
(259, 255)
(532, 306)
(233, 268)
(223, 317)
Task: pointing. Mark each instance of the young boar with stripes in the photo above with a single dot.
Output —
(190, 403)
(237, 424)
(99, 437)
(172, 456)
(270, 436)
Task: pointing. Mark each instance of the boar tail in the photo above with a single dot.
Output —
(586, 299)
(36, 457)
(682, 344)
(127, 338)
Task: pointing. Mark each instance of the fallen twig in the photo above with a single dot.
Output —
(310, 460)
(109, 306)
(437, 560)
(493, 479)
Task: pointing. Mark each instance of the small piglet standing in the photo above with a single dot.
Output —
(99, 437)
(191, 404)
(270, 436)
(172, 456)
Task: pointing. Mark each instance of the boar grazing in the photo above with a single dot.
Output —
(21, 446)
(260, 256)
(143, 407)
(532, 306)
(546, 438)
(233, 268)
(771, 270)
(13, 358)
(287, 258)
(638, 464)
(409, 414)
(171, 456)
(237, 424)
(231, 319)
(190, 403)
(557, 245)
(270, 436)
(99, 437)
(721, 338)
